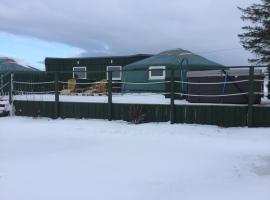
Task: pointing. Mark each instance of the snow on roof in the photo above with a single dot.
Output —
(12, 64)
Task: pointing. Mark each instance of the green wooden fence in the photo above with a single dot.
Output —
(221, 115)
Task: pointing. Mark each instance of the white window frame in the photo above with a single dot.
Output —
(85, 72)
(117, 78)
(157, 77)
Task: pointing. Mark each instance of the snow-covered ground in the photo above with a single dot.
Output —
(94, 159)
(141, 98)
(147, 98)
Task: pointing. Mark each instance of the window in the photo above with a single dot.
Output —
(116, 72)
(79, 73)
(157, 73)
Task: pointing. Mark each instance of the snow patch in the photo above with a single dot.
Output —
(96, 159)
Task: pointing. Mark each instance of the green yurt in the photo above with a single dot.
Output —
(21, 73)
(10, 65)
(158, 68)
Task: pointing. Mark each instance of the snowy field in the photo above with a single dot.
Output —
(43, 159)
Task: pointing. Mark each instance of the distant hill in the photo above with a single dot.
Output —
(9, 64)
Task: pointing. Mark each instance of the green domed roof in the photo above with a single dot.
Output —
(175, 58)
(7, 64)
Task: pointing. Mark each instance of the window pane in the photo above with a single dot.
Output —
(80, 75)
(80, 72)
(116, 72)
(157, 72)
(114, 68)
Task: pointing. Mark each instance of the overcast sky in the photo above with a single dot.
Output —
(34, 29)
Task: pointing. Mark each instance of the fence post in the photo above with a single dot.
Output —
(1, 85)
(172, 109)
(110, 95)
(10, 88)
(11, 94)
(56, 103)
(250, 97)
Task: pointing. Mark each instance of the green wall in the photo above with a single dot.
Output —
(142, 76)
(96, 66)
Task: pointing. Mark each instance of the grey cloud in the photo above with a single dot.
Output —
(131, 26)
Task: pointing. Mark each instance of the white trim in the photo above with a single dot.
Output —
(85, 72)
(157, 77)
(116, 78)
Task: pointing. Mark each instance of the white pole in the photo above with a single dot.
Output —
(11, 110)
